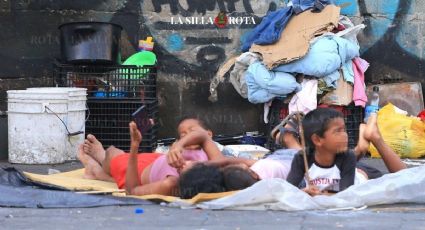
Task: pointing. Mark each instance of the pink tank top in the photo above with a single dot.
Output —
(161, 169)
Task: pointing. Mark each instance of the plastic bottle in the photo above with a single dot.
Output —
(373, 105)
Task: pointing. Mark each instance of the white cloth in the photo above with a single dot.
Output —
(305, 100)
(267, 106)
(359, 178)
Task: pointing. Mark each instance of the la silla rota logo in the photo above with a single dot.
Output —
(221, 20)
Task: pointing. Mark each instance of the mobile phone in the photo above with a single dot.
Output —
(143, 122)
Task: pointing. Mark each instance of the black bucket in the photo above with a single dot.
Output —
(90, 42)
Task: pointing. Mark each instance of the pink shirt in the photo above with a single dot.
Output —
(161, 169)
(269, 168)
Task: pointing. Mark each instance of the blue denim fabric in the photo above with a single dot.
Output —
(282, 154)
(272, 25)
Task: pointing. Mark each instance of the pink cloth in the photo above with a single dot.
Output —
(161, 169)
(269, 168)
(359, 93)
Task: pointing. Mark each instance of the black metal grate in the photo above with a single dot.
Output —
(109, 82)
(109, 119)
(353, 116)
(114, 93)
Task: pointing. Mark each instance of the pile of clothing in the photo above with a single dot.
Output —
(305, 52)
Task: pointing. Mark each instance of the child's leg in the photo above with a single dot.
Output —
(286, 133)
(288, 139)
(390, 158)
(110, 153)
(362, 145)
(92, 168)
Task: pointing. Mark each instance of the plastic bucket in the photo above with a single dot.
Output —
(75, 120)
(36, 134)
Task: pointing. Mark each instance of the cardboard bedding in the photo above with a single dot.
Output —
(74, 181)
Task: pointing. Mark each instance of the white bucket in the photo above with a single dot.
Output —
(36, 132)
(76, 116)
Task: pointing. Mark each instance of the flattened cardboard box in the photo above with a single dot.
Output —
(342, 95)
(294, 41)
(407, 96)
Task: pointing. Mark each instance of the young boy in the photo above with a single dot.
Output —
(144, 174)
(331, 166)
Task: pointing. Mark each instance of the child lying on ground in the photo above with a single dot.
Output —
(149, 173)
(331, 166)
(242, 173)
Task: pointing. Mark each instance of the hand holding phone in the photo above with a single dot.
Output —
(143, 122)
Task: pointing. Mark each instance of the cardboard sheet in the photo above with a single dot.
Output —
(74, 181)
(342, 95)
(408, 96)
(294, 42)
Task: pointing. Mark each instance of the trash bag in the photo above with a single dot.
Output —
(404, 134)
(278, 194)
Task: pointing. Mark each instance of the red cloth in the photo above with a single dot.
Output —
(421, 115)
(118, 165)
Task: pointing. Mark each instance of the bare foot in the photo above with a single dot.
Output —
(92, 169)
(94, 148)
(84, 158)
(371, 132)
(363, 144)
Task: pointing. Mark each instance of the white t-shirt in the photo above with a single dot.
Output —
(270, 168)
(325, 178)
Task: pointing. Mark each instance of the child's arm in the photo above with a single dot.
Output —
(196, 137)
(390, 158)
(296, 174)
(347, 166)
(132, 179)
(167, 187)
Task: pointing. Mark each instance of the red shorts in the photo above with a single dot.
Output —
(118, 165)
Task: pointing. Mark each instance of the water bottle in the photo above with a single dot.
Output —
(373, 105)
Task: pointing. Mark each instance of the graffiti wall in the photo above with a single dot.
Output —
(192, 41)
(393, 40)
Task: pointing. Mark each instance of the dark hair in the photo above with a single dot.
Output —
(317, 121)
(200, 121)
(201, 178)
(236, 178)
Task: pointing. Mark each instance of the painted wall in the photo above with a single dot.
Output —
(189, 55)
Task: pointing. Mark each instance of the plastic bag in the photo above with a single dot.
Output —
(404, 134)
(278, 194)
